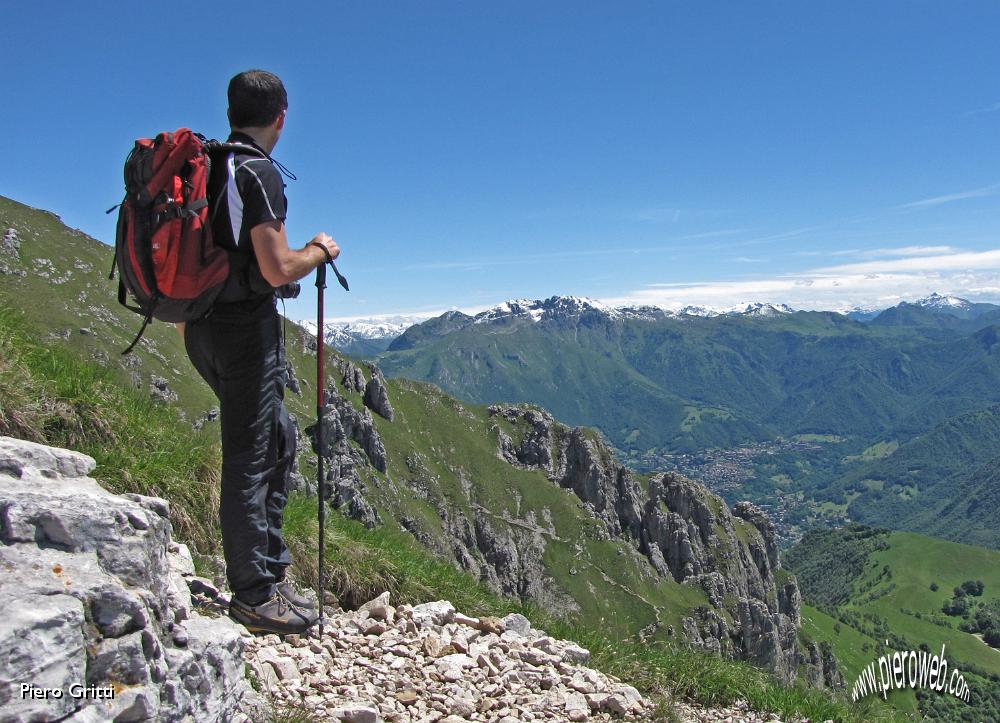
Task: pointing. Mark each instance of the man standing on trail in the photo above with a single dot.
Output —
(238, 350)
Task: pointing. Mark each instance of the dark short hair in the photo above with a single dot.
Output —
(256, 99)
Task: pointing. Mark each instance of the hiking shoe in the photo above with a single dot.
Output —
(276, 615)
(288, 591)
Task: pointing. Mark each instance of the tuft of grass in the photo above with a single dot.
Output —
(49, 395)
(292, 713)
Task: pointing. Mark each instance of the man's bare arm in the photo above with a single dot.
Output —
(278, 263)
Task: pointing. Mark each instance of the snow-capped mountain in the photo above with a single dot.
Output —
(562, 306)
(861, 313)
(368, 337)
(363, 337)
(759, 309)
(938, 304)
(698, 311)
(949, 303)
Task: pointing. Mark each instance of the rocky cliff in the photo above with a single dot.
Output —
(687, 534)
(98, 623)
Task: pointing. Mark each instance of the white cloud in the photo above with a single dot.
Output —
(875, 283)
(934, 262)
(909, 251)
(880, 253)
(991, 190)
(992, 108)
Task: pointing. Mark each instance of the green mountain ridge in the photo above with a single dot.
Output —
(969, 471)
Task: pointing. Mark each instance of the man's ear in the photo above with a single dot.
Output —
(280, 123)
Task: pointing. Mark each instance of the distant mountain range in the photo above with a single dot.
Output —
(369, 337)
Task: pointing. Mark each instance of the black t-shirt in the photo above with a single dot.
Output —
(245, 191)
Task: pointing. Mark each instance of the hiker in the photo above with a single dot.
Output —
(238, 349)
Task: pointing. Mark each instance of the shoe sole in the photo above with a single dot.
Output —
(261, 630)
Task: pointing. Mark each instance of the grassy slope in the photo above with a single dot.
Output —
(50, 394)
(79, 295)
(915, 561)
(853, 649)
(958, 455)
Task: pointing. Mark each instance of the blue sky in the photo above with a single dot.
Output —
(464, 153)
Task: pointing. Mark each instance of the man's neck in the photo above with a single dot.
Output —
(266, 138)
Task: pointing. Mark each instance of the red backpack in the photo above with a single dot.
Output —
(163, 246)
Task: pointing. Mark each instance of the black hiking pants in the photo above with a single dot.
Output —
(238, 350)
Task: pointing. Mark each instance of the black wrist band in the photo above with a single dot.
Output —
(326, 253)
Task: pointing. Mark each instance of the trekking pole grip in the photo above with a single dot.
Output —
(321, 276)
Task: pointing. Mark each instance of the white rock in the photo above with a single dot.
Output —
(41, 643)
(573, 653)
(576, 706)
(379, 608)
(440, 612)
(518, 623)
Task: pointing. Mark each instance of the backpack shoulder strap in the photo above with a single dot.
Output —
(220, 147)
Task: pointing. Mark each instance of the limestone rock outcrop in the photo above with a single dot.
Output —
(377, 394)
(343, 422)
(160, 391)
(353, 378)
(10, 253)
(96, 606)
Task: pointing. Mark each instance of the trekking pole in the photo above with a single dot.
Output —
(320, 404)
